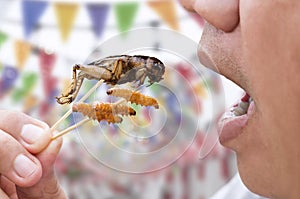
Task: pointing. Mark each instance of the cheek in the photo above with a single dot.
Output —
(260, 50)
(270, 33)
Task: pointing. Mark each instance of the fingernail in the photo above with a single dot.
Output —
(31, 133)
(23, 166)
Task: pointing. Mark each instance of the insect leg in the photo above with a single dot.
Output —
(75, 87)
(141, 76)
(117, 69)
(62, 98)
(73, 83)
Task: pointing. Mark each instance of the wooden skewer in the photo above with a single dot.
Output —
(71, 128)
(70, 111)
(79, 124)
(81, 100)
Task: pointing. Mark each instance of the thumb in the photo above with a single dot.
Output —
(48, 186)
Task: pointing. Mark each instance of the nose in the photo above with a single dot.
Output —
(223, 14)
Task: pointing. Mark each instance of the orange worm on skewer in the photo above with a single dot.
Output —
(104, 111)
(133, 97)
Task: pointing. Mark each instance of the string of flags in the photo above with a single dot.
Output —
(19, 83)
(32, 11)
(65, 13)
(10, 73)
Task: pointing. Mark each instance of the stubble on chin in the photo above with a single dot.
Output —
(222, 52)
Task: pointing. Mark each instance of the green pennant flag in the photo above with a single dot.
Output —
(125, 14)
(29, 80)
(3, 38)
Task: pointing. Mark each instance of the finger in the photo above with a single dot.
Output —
(8, 187)
(34, 138)
(13, 122)
(48, 156)
(33, 134)
(17, 164)
(48, 186)
(3, 195)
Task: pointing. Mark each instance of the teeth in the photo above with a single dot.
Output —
(244, 105)
(228, 114)
(241, 109)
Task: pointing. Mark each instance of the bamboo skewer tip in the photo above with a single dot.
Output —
(68, 113)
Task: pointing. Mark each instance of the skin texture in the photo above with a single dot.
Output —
(22, 136)
(256, 44)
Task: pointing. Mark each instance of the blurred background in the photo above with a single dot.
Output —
(40, 41)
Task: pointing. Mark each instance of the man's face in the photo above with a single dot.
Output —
(256, 44)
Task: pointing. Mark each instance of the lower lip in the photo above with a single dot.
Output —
(231, 128)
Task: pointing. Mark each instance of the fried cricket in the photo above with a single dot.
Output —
(114, 70)
(104, 111)
(133, 97)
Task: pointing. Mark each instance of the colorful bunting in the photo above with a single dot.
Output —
(30, 102)
(32, 11)
(3, 38)
(8, 79)
(22, 52)
(125, 14)
(186, 70)
(98, 14)
(166, 10)
(47, 62)
(65, 15)
(29, 80)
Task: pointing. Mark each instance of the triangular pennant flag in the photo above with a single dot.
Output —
(29, 80)
(32, 11)
(167, 11)
(8, 79)
(3, 38)
(65, 15)
(125, 14)
(98, 14)
(22, 52)
(47, 62)
(30, 102)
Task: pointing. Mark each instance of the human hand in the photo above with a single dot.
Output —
(27, 158)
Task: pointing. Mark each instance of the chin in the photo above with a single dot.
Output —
(254, 161)
(255, 175)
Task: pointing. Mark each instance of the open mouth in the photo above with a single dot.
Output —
(242, 107)
(235, 119)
